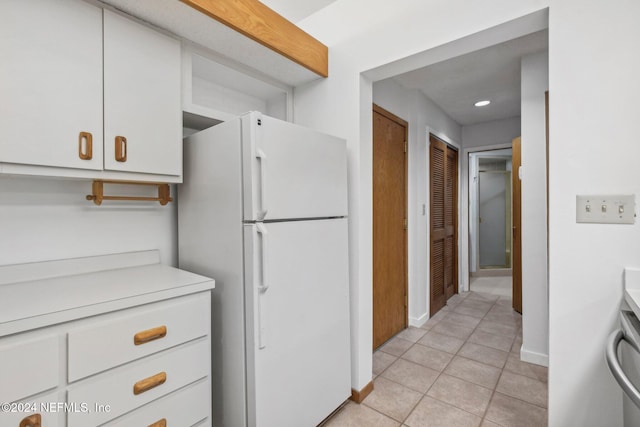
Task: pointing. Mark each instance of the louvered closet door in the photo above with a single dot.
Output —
(451, 224)
(444, 223)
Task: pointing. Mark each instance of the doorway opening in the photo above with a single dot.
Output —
(490, 211)
(490, 221)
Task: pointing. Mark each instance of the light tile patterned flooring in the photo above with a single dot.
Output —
(494, 285)
(462, 368)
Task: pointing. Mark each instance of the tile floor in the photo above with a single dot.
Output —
(494, 285)
(462, 368)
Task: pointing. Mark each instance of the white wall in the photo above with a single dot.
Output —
(593, 148)
(361, 39)
(423, 117)
(394, 98)
(492, 133)
(593, 107)
(45, 219)
(535, 325)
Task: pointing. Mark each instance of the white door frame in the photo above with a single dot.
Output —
(464, 254)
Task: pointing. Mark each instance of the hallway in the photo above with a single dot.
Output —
(461, 368)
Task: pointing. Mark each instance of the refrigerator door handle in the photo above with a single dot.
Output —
(263, 184)
(616, 369)
(262, 316)
(262, 230)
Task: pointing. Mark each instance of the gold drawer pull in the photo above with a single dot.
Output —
(121, 149)
(150, 335)
(34, 420)
(161, 423)
(87, 153)
(149, 383)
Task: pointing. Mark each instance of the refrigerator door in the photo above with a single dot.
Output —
(297, 305)
(290, 171)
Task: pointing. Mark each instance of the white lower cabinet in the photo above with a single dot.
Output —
(185, 407)
(30, 365)
(139, 383)
(44, 410)
(143, 364)
(128, 335)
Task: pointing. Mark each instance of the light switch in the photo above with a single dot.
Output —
(614, 209)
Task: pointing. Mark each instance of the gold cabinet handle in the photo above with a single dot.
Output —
(149, 383)
(121, 149)
(160, 423)
(34, 420)
(87, 152)
(150, 335)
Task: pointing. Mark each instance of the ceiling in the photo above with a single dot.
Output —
(296, 10)
(492, 73)
(226, 44)
(455, 85)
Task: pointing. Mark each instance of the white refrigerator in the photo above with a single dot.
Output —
(263, 210)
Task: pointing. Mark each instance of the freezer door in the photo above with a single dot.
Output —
(290, 171)
(297, 305)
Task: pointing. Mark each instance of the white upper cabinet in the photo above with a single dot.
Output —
(58, 59)
(51, 83)
(142, 104)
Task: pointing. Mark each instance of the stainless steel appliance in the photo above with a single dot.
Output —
(623, 358)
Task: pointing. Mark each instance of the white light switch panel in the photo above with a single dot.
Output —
(606, 209)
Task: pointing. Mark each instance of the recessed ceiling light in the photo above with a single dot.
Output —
(482, 103)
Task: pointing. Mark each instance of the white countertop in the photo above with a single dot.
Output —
(30, 304)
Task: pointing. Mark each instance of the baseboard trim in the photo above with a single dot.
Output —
(533, 357)
(359, 396)
(417, 322)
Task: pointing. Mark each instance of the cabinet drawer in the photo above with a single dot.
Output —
(136, 333)
(28, 367)
(185, 407)
(181, 366)
(47, 408)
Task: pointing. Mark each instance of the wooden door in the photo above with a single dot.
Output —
(444, 223)
(516, 250)
(389, 225)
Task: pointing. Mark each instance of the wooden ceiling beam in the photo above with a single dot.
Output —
(265, 26)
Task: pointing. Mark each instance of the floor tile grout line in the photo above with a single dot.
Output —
(381, 413)
(440, 372)
(451, 311)
(443, 372)
(521, 400)
(493, 392)
(449, 404)
(424, 394)
(403, 385)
